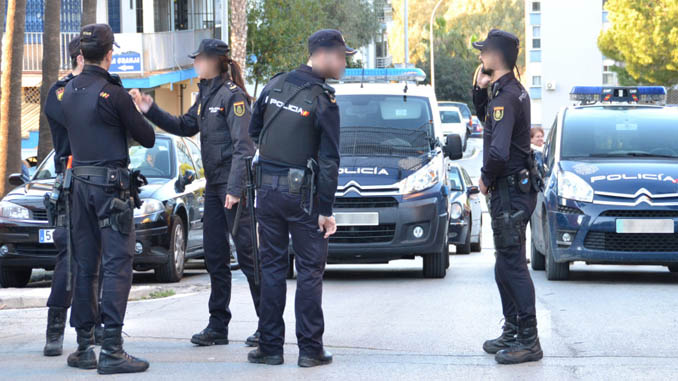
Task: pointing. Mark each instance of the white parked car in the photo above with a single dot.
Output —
(453, 123)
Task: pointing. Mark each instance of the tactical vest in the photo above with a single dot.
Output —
(91, 139)
(289, 136)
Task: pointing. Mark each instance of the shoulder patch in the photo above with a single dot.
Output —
(104, 95)
(239, 108)
(233, 87)
(498, 113)
(59, 93)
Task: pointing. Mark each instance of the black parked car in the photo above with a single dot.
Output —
(168, 224)
(466, 214)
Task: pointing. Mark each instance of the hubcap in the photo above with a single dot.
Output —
(179, 248)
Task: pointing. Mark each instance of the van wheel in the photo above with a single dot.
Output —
(435, 264)
(466, 247)
(15, 276)
(173, 270)
(537, 259)
(554, 270)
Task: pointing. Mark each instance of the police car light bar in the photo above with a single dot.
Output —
(384, 75)
(624, 94)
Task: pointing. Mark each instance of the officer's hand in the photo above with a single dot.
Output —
(231, 201)
(482, 186)
(327, 225)
(483, 80)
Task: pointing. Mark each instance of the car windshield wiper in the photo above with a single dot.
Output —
(632, 154)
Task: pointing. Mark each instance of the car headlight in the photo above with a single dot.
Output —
(573, 187)
(149, 206)
(424, 178)
(13, 211)
(455, 211)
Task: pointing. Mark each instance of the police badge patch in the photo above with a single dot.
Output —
(60, 93)
(498, 113)
(239, 108)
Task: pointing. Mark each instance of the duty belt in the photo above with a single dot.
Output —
(275, 180)
(510, 181)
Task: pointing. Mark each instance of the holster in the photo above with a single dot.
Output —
(308, 190)
(507, 229)
(121, 216)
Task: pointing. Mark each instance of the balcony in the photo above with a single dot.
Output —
(384, 62)
(147, 52)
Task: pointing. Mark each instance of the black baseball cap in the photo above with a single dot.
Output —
(329, 39)
(97, 36)
(211, 47)
(74, 47)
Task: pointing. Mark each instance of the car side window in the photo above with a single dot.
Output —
(549, 153)
(184, 158)
(467, 178)
(197, 158)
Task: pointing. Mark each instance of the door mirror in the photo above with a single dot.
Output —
(473, 190)
(183, 180)
(189, 176)
(16, 179)
(453, 147)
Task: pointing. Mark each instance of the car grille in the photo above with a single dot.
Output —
(651, 242)
(568, 210)
(365, 202)
(641, 213)
(364, 234)
(39, 214)
(47, 250)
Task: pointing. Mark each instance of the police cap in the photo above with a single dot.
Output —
(499, 40)
(97, 37)
(329, 39)
(211, 47)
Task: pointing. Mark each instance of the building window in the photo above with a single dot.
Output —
(535, 18)
(609, 79)
(536, 43)
(535, 92)
(140, 16)
(535, 55)
(536, 80)
(604, 17)
(536, 6)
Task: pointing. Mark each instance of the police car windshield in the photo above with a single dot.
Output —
(152, 162)
(632, 132)
(385, 125)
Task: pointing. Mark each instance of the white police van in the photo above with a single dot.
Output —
(391, 201)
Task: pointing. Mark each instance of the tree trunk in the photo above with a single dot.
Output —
(89, 12)
(3, 3)
(238, 20)
(51, 37)
(10, 103)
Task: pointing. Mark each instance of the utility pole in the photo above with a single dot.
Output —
(407, 44)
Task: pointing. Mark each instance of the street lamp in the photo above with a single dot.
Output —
(433, 73)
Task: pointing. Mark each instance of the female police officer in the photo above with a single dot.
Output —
(221, 114)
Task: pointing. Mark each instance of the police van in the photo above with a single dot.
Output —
(391, 202)
(611, 195)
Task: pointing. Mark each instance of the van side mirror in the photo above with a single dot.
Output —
(473, 190)
(189, 176)
(16, 179)
(183, 180)
(453, 147)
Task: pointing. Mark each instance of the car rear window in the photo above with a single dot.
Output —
(450, 117)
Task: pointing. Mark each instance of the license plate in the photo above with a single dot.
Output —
(357, 219)
(645, 226)
(46, 236)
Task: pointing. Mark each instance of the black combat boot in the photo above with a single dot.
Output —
(322, 358)
(253, 341)
(84, 357)
(56, 323)
(113, 359)
(258, 357)
(98, 334)
(209, 336)
(507, 338)
(527, 347)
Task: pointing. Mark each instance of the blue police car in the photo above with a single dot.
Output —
(611, 194)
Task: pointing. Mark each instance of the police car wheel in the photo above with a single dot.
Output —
(465, 248)
(173, 270)
(673, 268)
(435, 264)
(15, 276)
(554, 270)
(537, 259)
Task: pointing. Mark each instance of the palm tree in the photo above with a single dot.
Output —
(89, 12)
(51, 37)
(3, 3)
(238, 16)
(10, 102)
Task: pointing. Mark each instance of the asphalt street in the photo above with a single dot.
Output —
(385, 322)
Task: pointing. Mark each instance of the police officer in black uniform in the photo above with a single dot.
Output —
(221, 114)
(508, 175)
(99, 117)
(296, 125)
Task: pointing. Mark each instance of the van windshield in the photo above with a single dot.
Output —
(385, 125)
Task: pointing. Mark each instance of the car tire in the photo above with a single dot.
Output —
(291, 273)
(537, 259)
(477, 247)
(435, 264)
(446, 249)
(554, 270)
(173, 270)
(466, 247)
(15, 276)
(673, 268)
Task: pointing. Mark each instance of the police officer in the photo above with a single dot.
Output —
(221, 114)
(505, 113)
(100, 116)
(296, 125)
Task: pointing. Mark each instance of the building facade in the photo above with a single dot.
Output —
(561, 52)
(377, 53)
